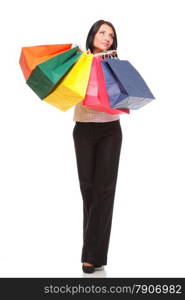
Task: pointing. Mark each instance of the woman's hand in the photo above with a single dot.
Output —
(113, 53)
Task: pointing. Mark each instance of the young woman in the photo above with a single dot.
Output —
(97, 140)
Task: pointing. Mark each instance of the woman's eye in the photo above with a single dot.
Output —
(110, 35)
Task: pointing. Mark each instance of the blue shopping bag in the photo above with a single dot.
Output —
(125, 86)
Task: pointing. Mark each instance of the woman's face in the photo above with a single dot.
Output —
(103, 39)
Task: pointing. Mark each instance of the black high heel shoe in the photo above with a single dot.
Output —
(88, 269)
(91, 269)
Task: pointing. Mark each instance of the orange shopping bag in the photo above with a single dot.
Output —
(32, 56)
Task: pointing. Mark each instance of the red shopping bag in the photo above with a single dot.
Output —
(96, 94)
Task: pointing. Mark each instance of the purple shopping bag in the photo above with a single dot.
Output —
(125, 86)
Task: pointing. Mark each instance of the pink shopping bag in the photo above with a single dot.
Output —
(96, 94)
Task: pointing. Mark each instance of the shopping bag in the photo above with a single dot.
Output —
(46, 75)
(72, 88)
(96, 95)
(31, 56)
(125, 86)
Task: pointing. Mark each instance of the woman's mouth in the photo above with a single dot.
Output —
(105, 44)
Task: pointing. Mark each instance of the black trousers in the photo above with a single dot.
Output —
(97, 149)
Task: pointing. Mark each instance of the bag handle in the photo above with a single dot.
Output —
(109, 52)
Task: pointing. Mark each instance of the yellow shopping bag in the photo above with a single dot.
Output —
(72, 88)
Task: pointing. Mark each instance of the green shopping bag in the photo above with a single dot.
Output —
(47, 74)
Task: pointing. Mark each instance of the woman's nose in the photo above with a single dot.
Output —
(106, 39)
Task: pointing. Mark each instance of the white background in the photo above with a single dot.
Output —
(40, 199)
